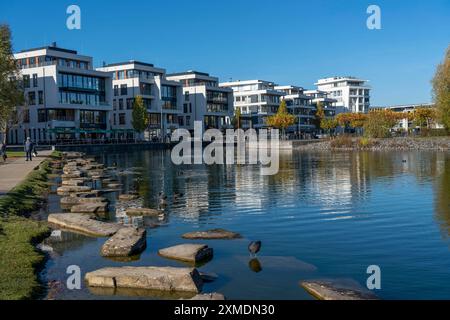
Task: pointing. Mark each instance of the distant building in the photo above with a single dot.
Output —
(300, 105)
(162, 97)
(257, 99)
(406, 124)
(65, 98)
(351, 94)
(204, 100)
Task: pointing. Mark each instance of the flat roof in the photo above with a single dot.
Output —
(50, 48)
(129, 62)
(188, 72)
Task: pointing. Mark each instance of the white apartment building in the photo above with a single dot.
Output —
(300, 105)
(351, 94)
(257, 99)
(162, 97)
(204, 100)
(65, 98)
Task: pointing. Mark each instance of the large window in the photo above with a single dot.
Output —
(75, 81)
(31, 98)
(169, 97)
(93, 119)
(146, 89)
(45, 115)
(123, 90)
(84, 90)
(26, 81)
(41, 97)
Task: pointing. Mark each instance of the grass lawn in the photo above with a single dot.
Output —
(18, 257)
(15, 154)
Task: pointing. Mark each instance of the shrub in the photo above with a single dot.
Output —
(366, 142)
(342, 142)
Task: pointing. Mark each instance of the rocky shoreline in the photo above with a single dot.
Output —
(388, 144)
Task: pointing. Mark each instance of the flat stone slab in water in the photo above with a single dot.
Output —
(209, 296)
(188, 252)
(99, 207)
(126, 242)
(212, 234)
(128, 197)
(73, 201)
(83, 224)
(67, 190)
(143, 212)
(151, 278)
(326, 290)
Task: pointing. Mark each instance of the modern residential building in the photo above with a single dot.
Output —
(321, 97)
(65, 98)
(163, 98)
(204, 100)
(300, 105)
(351, 94)
(256, 99)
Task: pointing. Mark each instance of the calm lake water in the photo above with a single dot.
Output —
(323, 216)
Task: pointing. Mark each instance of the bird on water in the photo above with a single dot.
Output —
(254, 247)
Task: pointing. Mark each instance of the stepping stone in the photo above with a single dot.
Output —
(73, 182)
(73, 201)
(67, 190)
(92, 208)
(212, 234)
(151, 278)
(83, 224)
(128, 197)
(144, 212)
(126, 242)
(326, 290)
(188, 252)
(72, 175)
(209, 296)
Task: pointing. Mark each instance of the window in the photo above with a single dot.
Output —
(146, 89)
(123, 90)
(130, 102)
(121, 75)
(41, 97)
(42, 115)
(186, 96)
(115, 104)
(26, 116)
(35, 80)
(116, 90)
(121, 119)
(188, 120)
(120, 104)
(31, 98)
(115, 119)
(26, 81)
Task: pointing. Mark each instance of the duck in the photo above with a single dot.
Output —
(254, 247)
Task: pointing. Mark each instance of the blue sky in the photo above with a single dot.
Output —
(285, 41)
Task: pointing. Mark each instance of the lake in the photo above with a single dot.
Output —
(323, 216)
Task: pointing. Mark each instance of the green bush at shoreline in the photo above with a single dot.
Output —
(18, 234)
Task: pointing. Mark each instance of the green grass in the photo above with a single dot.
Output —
(19, 259)
(15, 154)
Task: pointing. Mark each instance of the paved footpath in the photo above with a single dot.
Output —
(15, 171)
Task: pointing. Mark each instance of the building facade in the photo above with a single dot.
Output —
(204, 100)
(321, 97)
(66, 99)
(300, 105)
(256, 100)
(162, 97)
(351, 94)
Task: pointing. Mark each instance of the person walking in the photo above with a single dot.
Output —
(29, 147)
(3, 152)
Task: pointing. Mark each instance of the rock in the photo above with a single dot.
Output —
(72, 155)
(188, 252)
(73, 182)
(326, 290)
(72, 175)
(209, 296)
(84, 224)
(114, 185)
(93, 208)
(143, 212)
(67, 190)
(44, 247)
(212, 234)
(126, 242)
(72, 201)
(128, 197)
(150, 278)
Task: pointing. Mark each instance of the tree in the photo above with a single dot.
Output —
(424, 117)
(441, 90)
(11, 90)
(237, 118)
(380, 122)
(320, 115)
(328, 124)
(282, 119)
(139, 115)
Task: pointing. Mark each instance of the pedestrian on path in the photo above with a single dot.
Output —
(3, 152)
(29, 147)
